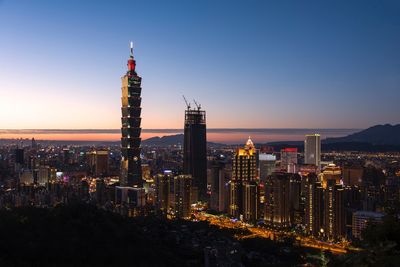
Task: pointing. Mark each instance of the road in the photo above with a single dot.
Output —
(253, 231)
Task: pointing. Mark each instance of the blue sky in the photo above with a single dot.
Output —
(264, 64)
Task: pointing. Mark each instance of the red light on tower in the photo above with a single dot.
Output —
(131, 64)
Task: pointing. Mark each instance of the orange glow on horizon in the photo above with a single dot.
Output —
(220, 137)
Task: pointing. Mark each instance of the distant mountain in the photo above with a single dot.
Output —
(167, 140)
(377, 135)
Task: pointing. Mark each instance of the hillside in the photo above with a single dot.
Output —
(378, 135)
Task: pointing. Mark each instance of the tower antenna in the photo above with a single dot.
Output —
(131, 49)
(187, 103)
(197, 104)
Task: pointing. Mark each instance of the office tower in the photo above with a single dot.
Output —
(195, 150)
(98, 162)
(182, 193)
(267, 165)
(362, 218)
(131, 169)
(217, 180)
(314, 205)
(162, 182)
(312, 149)
(244, 171)
(289, 160)
(277, 199)
(334, 208)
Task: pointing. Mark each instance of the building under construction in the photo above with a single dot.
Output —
(195, 150)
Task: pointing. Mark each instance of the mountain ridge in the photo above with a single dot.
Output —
(385, 134)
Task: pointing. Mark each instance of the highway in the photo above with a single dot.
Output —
(254, 231)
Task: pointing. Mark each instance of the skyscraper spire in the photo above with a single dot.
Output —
(131, 63)
(131, 49)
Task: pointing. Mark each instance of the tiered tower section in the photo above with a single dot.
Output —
(131, 169)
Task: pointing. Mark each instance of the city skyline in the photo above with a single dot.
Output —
(286, 60)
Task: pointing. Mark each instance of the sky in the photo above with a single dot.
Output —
(251, 64)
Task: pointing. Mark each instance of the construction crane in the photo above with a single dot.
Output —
(197, 105)
(187, 103)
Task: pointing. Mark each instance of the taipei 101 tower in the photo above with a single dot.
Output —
(131, 169)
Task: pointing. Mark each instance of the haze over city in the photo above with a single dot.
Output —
(260, 65)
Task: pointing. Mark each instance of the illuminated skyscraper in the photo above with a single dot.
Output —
(314, 205)
(243, 191)
(334, 204)
(312, 149)
(131, 169)
(195, 150)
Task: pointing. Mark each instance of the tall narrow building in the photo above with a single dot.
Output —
(195, 150)
(312, 149)
(131, 171)
(243, 189)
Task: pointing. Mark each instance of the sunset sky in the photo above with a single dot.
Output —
(263, 64)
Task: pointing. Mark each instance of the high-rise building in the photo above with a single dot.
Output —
(334, 203)
(173, 194)
(162, 186)
(182, 194)
(98, 162)
(289, 160)
(314, 205)
(195, 150)
(251, 201)
(131, 169)
(277, 199)
(312, 149)
(243, 200)
(217, 180)
(267, 165)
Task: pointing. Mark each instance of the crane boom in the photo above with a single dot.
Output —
(197, 104)
(187, 103)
